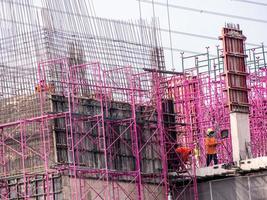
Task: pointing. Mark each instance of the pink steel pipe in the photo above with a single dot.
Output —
(135, 136)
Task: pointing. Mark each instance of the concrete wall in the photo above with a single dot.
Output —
(88, 151)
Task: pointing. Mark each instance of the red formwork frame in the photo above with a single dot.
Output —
(235, 68)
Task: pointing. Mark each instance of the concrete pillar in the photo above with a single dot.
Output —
(240, 134)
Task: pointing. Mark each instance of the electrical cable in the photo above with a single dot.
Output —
(207, 12)
(251, 2)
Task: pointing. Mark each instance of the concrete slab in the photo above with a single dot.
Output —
(216, 170)
(254, 164)
(247, 165)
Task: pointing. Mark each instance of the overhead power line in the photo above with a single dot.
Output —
(201, 36)
(252, 2)
(207, 12)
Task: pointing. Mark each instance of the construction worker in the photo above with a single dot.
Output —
(211, 144)
(184, 153)
(42, 87)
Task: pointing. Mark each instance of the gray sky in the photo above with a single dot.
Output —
(192, 22)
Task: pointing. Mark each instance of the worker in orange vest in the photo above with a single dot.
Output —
(211, 144)
(184, 153)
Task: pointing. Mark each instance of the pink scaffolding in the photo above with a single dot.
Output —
(198, 102)
(258, 115)
(139, 90)
(131, 119)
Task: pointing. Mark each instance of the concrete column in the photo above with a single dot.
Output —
(240, 133)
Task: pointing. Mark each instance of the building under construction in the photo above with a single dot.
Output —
(89, 110)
